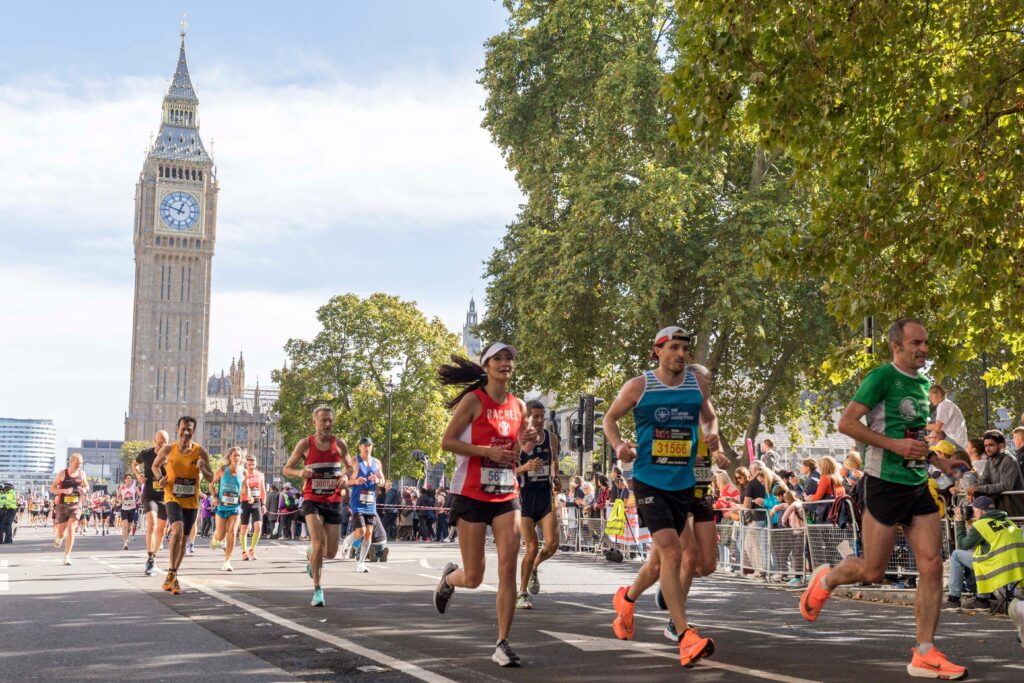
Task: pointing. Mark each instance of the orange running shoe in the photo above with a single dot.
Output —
(814, 596)
(693, 648)
(623, 624)
(168, 581)
(934, 665)
(175, 587)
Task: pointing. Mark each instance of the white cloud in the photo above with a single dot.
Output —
(404, 153)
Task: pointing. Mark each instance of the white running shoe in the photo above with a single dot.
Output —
(361, 568)
(226, 567)
(67, 560)
(346, 546)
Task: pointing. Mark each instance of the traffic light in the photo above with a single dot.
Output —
(576, 430)
(590, 418)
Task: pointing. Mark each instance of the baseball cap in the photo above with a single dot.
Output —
(943, 448)
(667, 333)
(493, 349)
(366, 441)
(984, 503)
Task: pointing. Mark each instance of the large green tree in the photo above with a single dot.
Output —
(623, 231)
(363, 343)
(902, 122)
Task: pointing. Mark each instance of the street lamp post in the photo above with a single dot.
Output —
(389, 389)
(103, 466)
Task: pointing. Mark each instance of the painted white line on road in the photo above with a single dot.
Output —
(343, 643)
(5, 582)
(4, 564)
(712, 627)
(592, 644)
(1013, 666)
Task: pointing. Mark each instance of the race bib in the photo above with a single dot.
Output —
(497, 480)
(229, 498)
(367, 498)
(254, 494)
(703, 475)
(70, 500)
(324, 486)
(157, 486)
(184, 488)
(543, 472)
(672, 446)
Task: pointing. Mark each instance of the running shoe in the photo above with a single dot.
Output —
(795, 582)
(245, 556)
(346, 546)
(659, 598)
(382, 556)
(57, 542)
(214, 543)
(623, 623)
(670, 631)
(318, 598)
(443, 593)
(150, 563)
(67, 561)
(504, 656)
(693, 648)
(309, 558)
(226, 567)
(523, 601)
(252, 554)
(814, 596)
(361, 568)
(534, 585)
(1016, 611)
(190, 549)
(168, 581)
(175, 586)
(125, 547)
(934, 665)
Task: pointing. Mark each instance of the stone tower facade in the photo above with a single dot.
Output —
(175, 232)
(469, 339)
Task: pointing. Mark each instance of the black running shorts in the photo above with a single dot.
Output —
(479, 511)
(893, 504)
(703, 510)
(130, 516)
(187, 516)
(658, 509)
(536, 501)
(330, 512)
(251, 514)
(363, 520)
(156, 505)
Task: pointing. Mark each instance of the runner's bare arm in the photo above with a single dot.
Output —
(159, 461)
(627, 399)
(554, 456)
(56, 482)
(137, 469)
(204, 464)
(708, 416)
(850, 424)
(527, 437)
(85, 481)
(347, 459)
(291, 468)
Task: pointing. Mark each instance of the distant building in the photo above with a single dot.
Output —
(102, 459)
(27, 453)
(243, 417)
(469, 339)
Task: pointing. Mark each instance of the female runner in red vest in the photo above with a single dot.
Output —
(486, 434)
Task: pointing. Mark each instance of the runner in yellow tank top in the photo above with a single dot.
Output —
(183, 463)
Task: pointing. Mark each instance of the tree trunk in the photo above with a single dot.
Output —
(774, 377)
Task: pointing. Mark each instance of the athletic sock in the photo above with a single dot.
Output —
(255, 540)
(923, 648)
(364, 551)
(350, 539)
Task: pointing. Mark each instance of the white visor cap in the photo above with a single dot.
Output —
(672, 332)
(493, 349)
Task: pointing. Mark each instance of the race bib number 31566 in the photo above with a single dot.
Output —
(672, 446)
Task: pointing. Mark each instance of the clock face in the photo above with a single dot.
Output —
(179, 211)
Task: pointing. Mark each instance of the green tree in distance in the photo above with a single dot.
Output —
(363, 343)
(902, 123)
(130, 449)
(624, 231)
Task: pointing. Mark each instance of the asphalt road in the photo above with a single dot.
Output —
(102, 619)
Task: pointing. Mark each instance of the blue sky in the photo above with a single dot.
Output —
(349, 152)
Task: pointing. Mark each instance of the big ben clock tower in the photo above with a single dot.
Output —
(175, 231)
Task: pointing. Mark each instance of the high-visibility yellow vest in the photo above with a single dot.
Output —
(616, 524)
(1004, 562)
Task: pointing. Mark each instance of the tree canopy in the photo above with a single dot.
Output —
(624, 231)
(902, 124)
(363, 343)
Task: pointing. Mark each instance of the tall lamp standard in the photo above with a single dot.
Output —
(389, 389)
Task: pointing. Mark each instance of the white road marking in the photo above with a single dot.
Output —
(592, 644)
(710, 627)
(342, 643)
(5, 582)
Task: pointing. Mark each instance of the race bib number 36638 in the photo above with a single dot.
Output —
(672, 446)
(497, 480)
